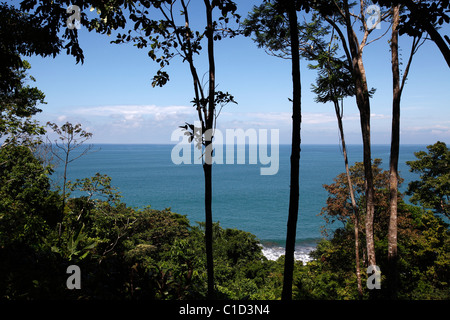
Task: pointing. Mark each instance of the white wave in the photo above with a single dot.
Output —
(274, 252)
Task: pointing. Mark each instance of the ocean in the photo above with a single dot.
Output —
(242, 198)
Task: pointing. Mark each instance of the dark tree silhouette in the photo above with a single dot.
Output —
(276, 28)
(424, 17)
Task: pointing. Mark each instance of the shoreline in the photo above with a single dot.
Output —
(273, 250)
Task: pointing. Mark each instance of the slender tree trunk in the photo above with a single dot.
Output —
(207, 166)
(363, 102)
(66, 163)
(393, 163)
(397, 86)
(206, 118)
(209, 229)
(352, 197)
(369, 188)
(65, 180)
(295, 156)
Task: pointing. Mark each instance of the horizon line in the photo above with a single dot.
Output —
(246, 144)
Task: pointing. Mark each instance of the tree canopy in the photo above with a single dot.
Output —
(433, 188)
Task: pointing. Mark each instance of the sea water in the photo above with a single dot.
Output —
(242, 198)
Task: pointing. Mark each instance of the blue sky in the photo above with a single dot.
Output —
(111, 93)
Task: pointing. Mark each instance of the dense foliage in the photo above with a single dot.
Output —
(128, 253)
(433, 188)
(123, 253)
(423, 245)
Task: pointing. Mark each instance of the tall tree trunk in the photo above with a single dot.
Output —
(363, 102)
(207, 170)
(393, 163)
(207, 166)
(352, 197)
(295, 156)
(369, 188)
(397, 86)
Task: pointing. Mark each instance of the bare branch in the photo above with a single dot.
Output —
(379, 36)
(414, 47)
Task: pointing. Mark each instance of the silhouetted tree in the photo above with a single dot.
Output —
(424, 16)
(276, 28)
(21, 35)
